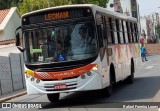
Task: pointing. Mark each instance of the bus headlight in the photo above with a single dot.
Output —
(95, 68)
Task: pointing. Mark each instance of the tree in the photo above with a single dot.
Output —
(6, 4)
(30, 5)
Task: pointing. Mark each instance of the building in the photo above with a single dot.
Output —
(149, 24)
(114, 5)
(155, 21)
(128, 7)
(144, 27)
(149, 27)
(9, 21)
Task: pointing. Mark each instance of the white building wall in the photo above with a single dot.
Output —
(108, 5)
(9, 29)
(126, 5)
(143, 25)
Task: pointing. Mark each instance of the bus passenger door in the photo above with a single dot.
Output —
(102, 50)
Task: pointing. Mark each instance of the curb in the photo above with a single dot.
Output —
(12, 97)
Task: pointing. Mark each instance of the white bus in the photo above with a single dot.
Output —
(77, 48)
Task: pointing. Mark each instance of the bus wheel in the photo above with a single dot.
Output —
(130, 78)
(53, 97)
(108, 90)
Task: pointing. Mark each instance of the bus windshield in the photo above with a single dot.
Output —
(60, 43)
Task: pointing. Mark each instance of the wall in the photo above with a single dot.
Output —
(152, 48)
(11, 73)
(143, 26)
(126, 6)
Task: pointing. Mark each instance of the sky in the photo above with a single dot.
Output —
(148, 6)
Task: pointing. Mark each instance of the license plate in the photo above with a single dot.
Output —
(60, 86)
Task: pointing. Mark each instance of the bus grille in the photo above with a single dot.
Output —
(69, 85)
(62, 79)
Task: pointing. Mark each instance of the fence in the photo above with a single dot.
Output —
(153, 48)
(11, 73)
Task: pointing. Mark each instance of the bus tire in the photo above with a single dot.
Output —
(109, 89)
(53, 97)
(130, 78)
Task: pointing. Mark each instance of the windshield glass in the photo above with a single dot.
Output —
(60, 43)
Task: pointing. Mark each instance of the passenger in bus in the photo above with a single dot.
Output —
(51, 44)
(59, 36)
(143, 53)
(60, 52)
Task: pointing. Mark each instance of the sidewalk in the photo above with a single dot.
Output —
(12, 95)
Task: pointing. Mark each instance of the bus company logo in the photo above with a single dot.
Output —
(56, 16)
(6, 105)
(64, 74)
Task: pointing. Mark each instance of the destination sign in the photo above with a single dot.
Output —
(55, 15)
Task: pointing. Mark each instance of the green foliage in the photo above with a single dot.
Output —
(158, 29)
(31, 5)
(6, 4)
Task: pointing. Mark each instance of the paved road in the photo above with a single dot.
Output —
(146, 88)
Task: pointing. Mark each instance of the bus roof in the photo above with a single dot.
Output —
(94, 8)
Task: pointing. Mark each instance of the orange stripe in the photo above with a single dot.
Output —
(66, 74)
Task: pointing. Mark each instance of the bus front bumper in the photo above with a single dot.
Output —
(87, 82)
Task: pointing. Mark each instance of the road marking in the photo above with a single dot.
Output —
(149, 67)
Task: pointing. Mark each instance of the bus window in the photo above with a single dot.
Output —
(122, 40)
(100, 30)
(77, 41)
(27, 46)
(129, 32)
(31, 44)
(108, 33)
(132, 32)
(136, 32)
(111, 29)
(123, 31)
(117, 30)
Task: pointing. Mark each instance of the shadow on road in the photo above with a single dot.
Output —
(142, 88)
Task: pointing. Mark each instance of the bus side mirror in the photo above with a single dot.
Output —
(18, 43)
(17, 39)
